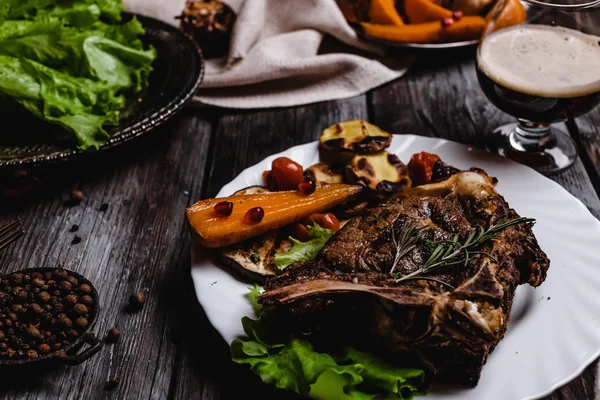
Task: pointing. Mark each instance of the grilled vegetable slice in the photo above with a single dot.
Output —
(255, 257)
(382, 172)
(340, 141)
(252, 190)
(324, 173)
(280, 209)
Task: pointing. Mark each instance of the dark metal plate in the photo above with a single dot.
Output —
(26, 141)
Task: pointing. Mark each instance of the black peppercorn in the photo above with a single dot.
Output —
(70, 300)
(32, 354)
(112, 336)
(65, 287)
(74, 282)
(137, 300)
(76, 239)
(60, 274)
(84, 289)
(38, 282)
(80, 309)
(36, 308)
(76, 197)
(74, 228)
(87, 300)
(44, 297)
(33, 332)
(65, 321)
(103, 207)
(17, 278)
(44, 348)
(111, 384)
(81, 322)
(36, 275)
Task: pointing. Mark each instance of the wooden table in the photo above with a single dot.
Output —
(141, 243)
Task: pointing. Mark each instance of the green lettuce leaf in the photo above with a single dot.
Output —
(252, 297)
(291, 363)
(302, 251)
(73, 65)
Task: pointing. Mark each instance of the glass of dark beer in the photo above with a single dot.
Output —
(540, 63)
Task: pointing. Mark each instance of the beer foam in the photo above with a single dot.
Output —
(542, 60)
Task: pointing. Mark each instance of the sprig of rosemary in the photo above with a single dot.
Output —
(405, 243)
(452, 252)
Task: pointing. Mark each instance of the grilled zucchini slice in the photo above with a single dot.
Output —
(341, 141)
(381, 172)
(324, 174)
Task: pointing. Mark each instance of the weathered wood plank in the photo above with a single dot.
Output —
(242, 140)
(441, 97)
(132, 246)
(586, 131)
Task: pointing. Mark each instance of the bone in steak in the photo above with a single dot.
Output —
(346, 294)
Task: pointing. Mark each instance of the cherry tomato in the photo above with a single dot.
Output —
(285, 174)
(420, 167)
(301, 233)
(325, 221)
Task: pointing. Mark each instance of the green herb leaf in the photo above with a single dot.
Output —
(303, 251)
(255, 257)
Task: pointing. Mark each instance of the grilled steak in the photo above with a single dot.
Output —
(450, 322)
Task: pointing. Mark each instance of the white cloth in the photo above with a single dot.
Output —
(276, 57)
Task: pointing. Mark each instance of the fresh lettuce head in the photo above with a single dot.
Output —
(71, 63)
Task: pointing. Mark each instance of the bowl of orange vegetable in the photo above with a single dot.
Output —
(426, 23)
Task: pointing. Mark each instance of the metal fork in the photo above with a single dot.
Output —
(10, 232)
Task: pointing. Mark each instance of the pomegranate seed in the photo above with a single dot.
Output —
(457, 15)
(307, 187)
(223, 209)
(446, 22)
(254, 215)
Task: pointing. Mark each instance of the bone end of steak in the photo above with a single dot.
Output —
(348, 293)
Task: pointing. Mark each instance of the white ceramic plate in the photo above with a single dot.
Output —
(554, 331)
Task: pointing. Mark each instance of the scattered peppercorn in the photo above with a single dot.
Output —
(74, 228)
(103, 207)
(112, 336)
(112, 383)
(76, 240)
(76, 196)
(137, 300)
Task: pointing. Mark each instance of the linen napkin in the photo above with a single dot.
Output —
(277, 58)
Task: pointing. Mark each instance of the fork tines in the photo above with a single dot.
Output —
(10, 232)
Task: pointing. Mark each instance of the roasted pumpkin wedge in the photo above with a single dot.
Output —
(324, 174)
(381, 172)
(419, 11)
(277, 209)
(467, 28)
(375, 11)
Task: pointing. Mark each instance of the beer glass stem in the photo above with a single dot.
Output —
(530, 136)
